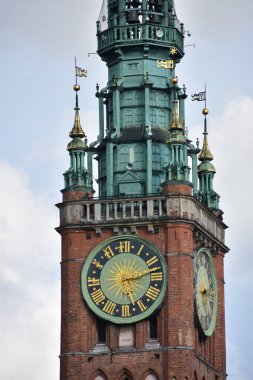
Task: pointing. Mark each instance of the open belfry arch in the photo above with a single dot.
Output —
(142, 258)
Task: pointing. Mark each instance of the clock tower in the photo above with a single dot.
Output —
(142, 261)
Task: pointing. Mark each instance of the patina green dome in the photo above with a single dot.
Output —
(206, 167)
(176, 137)
(76, 144)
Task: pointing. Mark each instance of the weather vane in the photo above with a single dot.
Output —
(200, 97)
(80, 72)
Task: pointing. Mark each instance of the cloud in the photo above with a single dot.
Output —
(29, 280)
(230, 140)
(238, 363)
(231, 137)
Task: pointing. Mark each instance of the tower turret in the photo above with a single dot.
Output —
(206, 172)
(177, 168)
(142, 263)
(141, 42)
(77, 176)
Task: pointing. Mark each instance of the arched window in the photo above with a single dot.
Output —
(153, 116)
(138, 98)
(138, 116)
(139, 157)
(125, 374)
(129, 117)
(162, 100)
(99, 375)
(151, 377)
(156, 158)
(128, 98)
(103, 165)
(115, 157)
(153, 327)
(152, 99)
(101, 331)
(123, 156)
(156, 183)
(161, 117)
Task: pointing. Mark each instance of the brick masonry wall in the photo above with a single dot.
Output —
(182, 350)
(183, 189)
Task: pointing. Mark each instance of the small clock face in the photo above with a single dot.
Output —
(159, 33)
(124, 279)
(205, 291)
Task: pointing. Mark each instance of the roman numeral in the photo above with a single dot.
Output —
(152, 293)
(108, 252)
(98, 296)
(92, 281)
(124, 246)
(97, 264)
(152, 261)
(158, 276)
(141, 248)
(141, 305)
(125, 311)
(109, 307)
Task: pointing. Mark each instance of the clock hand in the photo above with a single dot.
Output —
(134, 275)
(127, 290)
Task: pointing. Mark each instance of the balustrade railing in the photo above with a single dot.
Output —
(135, 209)
(144, 32)
(122, 210)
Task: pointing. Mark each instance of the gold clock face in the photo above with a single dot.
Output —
(205, 291)
(124, 279)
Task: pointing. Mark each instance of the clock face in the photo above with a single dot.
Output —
(123, 280)
(205, 291)
(159, 33)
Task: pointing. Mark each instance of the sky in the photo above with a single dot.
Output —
(38, 43)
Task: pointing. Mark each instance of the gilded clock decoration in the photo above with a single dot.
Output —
(173, 51)
(205, 291)
(167, 64)
(129, 282)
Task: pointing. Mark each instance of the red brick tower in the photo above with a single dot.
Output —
(142, 264)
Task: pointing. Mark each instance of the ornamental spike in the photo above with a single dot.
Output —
(77, 130)
(205, 154)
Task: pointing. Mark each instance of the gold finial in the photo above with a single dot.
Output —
(175, 122)
(205, 153)
(76, 87)
(174, 80)
(205, 111)
(77, 130)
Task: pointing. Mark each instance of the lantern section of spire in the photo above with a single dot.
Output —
(77, 176)
(206, 172)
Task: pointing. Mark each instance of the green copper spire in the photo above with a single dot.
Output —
(205, 154)
(77, 176)
(76, 132)
(177, 168)
(141, 41)
(206, 172)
